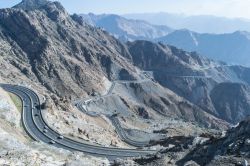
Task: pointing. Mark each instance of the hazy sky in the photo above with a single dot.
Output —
(228, 8)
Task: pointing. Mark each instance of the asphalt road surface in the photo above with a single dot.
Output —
(38, 129)
(81, 105)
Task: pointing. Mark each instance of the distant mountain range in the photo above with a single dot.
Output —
(201, 23)
(127, 29)
(232, 48)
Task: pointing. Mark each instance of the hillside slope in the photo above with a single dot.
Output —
(192, 76)
(232, 101)
(52, 46)
(56, 51)
(232, 149)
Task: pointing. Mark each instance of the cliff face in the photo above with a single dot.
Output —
(161, 58)
(64, 55)
(232, 101)
(219, 89)
(235, 143)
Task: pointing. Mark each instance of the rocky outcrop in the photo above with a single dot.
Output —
(231, 101)
(235, 143)
(161, 58)
(31, 4)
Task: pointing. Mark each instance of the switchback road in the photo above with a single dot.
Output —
(37, 128)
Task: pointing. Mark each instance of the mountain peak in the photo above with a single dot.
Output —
(31, 4)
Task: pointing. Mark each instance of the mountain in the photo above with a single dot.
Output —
(219, 89)
(235, 108)
(71, 59)
(201, 24)
(126, 29)
(31, 4)
(232, 48)
(156, 92)
(52, 46)
(235, 143)
(65, 59)
(195, 78)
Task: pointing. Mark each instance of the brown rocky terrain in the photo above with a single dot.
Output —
(161, 92)
(231, 100)
(195, 78)
(52, 46)
(59, 52)
(235, 144)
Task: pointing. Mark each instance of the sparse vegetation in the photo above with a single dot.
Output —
(17, 101)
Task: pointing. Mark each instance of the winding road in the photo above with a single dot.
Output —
(123, 134)
(81, 105)
(37, 128)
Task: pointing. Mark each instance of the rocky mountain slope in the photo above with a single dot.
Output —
(159, 92)
(52, 46)
(231, 148)
(126, 29)
(235, 108)
(191, 76)
(31, 5)
(235, 143)
(61, 53)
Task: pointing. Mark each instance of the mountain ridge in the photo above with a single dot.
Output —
(31, 4)
(125, 29)
(191, 76)
(232, 48)
(199, 23)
